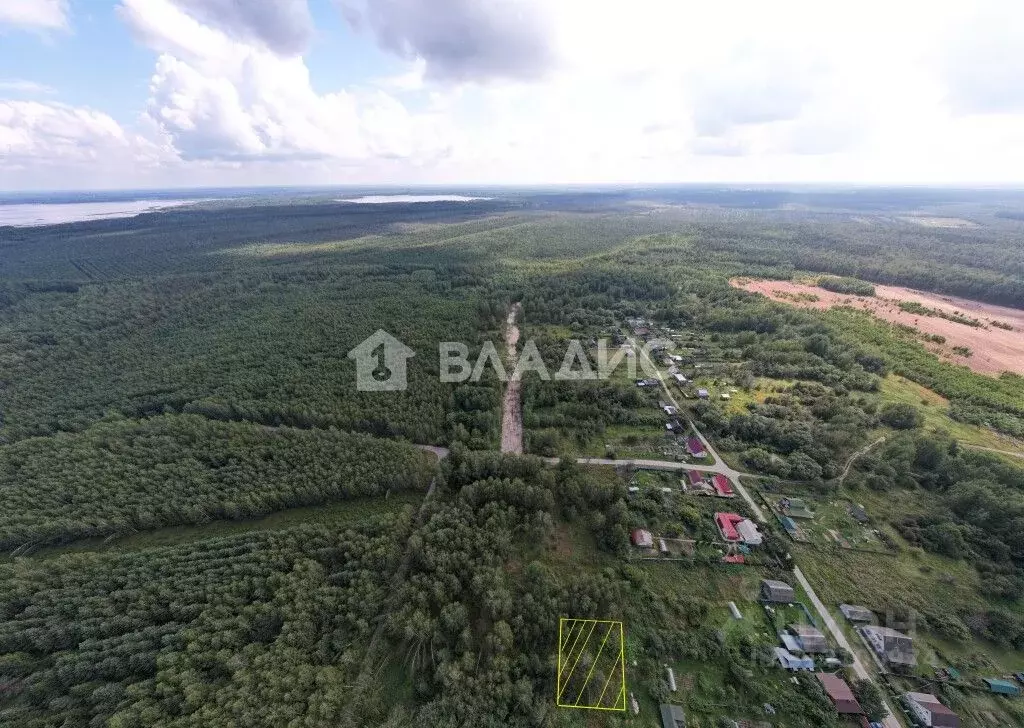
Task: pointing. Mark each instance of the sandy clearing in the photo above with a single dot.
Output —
(938, 222)
(512, 408)
(994, 349)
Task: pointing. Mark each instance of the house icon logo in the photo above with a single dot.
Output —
(381, 363)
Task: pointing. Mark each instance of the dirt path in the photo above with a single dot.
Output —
(992, 449)
(849, 463)
(512, 405)
(859, 670)
(722, 466)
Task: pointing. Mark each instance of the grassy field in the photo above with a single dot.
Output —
(935, 410)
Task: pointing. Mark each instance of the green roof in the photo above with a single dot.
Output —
(1003, 687)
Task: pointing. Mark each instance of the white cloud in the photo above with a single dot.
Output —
(52, 134)
(282, 26)
(575, 91)
(461, 40)
(984, 63)
(219, 98)
(34, 14)
(21, 86)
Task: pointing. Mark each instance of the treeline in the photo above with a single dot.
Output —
(993, 402)
(802, 433)
(120, 476)
(264, 629)
(978, 516)
(477, 625)
(267, 344)
(976, 262)
(848, 286)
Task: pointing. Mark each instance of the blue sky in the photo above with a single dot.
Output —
(129, 93)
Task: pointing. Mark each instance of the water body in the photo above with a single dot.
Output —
(381, 199)
(35, 214)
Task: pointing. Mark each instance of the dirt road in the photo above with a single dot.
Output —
(858, 667)
(720, 464)
(512, 405)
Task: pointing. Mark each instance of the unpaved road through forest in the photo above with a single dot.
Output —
(512, 405)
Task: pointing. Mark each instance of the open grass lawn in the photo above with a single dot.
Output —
(935, 410)
(924, 581)
(832, 522)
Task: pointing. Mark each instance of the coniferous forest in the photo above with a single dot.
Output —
(203, 522)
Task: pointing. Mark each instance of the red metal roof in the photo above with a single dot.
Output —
(722, 484)
(727, 525)
(840, 693)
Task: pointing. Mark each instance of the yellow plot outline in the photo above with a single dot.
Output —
(564, 658)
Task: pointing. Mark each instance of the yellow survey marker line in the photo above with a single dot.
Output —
(566, 683)
(607, 682)
(583, 626)
(594, 666)
(561, 643)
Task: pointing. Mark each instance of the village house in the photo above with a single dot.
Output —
(929, 711)
(695, 477)
(795, 507)
(893, 647)
(791, 662)
(856, 614)
(840, 694)
(695, 447)
(727, 523)
(748, 532)
(642, 538)
(723, 487)
(810, 639)
(703, 394)
(672, 716)
(778, 592)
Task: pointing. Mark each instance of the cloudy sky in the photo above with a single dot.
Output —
(151, 93)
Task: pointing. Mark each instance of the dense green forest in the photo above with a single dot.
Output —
(120, 475)
(190, 368)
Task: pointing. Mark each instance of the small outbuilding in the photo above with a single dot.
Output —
(642, 538)
(1001, 687)
(793, 663)
(840, 694)
(857, 614)
(672, 716)
(778, 592)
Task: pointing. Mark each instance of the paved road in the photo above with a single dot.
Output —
(858, 667)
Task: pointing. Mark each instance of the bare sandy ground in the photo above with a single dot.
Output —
(994, 349)
(512, 406)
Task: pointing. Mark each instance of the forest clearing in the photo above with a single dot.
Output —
(994, 349)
